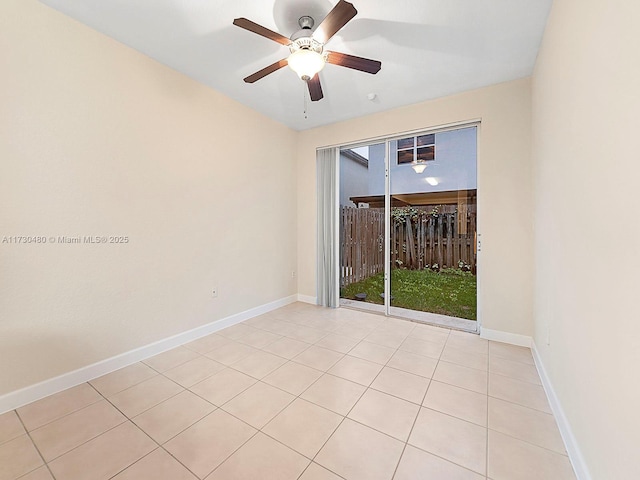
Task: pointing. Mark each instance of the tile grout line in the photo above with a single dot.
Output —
(321, 466)
(344, 417)
(152, 406)
(191, 425)
(126, 418)
(514, 378)
(458, 418)
(356, 402)
(404, 448)
(225, 459)
(449, 415)
(61, 416)
(521, 405)
(529, 443)
(447, 460)
(260, 430)
(125, 468)
(45, 463)
(185, 389)
(174, 366)
(132, 385)
(486, 427)
(137, 427)
(149, 436)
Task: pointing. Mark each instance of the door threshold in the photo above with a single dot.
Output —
(454, 323)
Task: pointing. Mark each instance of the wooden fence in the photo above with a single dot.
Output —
(361, 243)
(420, 237)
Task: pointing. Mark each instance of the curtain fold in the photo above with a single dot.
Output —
(327, 268)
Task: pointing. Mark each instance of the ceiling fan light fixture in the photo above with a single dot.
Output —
(306, 63)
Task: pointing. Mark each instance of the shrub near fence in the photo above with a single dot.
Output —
(421, 237)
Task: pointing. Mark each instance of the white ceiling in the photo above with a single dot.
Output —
(428, 48)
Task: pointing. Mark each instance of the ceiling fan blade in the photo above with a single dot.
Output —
(334, 21)
(351, 61)
(260, 30)
(315, 89)
(266, 71)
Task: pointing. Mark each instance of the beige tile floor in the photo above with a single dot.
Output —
(300, 393)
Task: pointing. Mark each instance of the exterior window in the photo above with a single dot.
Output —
(416, 149)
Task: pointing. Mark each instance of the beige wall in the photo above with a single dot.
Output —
(97, 139)
(586, 103)
(504, 183)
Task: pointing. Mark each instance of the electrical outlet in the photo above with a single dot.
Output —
(293, 274)
(214, 292)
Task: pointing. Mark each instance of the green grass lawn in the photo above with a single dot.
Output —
(449, 292)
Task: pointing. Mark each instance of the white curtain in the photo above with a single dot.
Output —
(327, 165)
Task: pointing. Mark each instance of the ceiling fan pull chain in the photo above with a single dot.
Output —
(304, 101)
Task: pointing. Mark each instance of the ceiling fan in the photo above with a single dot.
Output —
(308, 56)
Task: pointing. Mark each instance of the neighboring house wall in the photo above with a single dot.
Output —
(504, 192)
(376, 169)
(98, 139)
(353, 180)
(454, 166)
(587, 261)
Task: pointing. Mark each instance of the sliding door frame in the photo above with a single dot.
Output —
(387, 228)
(387, 139)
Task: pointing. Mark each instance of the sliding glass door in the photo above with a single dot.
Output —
(433, 191)
(362, 225)
(408, 227)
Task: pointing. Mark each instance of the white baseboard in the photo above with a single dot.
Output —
(18, 398)
(505, 337)
(570, 442)
(307, 299)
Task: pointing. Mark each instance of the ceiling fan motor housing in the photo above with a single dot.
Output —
(303, 38)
